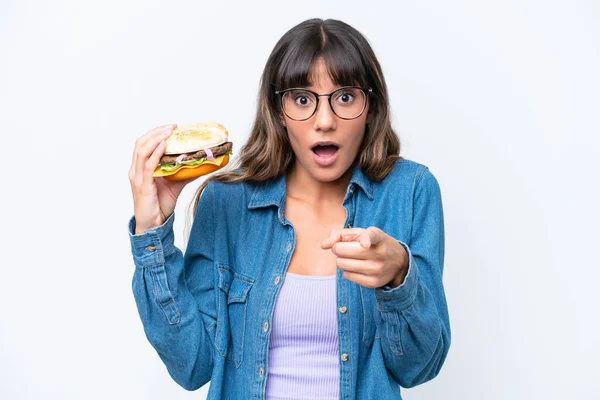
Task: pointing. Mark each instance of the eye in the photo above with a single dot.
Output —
(301, 98)
(344, 97)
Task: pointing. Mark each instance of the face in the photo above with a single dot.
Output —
(325, 163)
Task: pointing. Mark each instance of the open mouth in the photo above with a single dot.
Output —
(325, 153)
(325, 150)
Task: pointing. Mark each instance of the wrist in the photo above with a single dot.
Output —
(399, 278)
(143, 227)
(139, 229)
(402, 268)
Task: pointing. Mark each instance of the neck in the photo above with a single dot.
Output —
(302, 186)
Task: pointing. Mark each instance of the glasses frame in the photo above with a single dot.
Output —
(366, 91)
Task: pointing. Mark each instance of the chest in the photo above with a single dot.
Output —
(311, 227)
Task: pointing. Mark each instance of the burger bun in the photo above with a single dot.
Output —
(197, 136)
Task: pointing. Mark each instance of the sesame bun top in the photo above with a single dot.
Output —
(197, 136)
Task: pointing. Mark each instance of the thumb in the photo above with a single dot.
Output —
(371, 236)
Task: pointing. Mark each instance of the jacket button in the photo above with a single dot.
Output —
(261, 371)
(289, 247)
(344, 357)
(277, 280)
(150, 247)
(266, 326)
(343, 309)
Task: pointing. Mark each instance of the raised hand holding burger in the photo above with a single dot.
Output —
(167, 158)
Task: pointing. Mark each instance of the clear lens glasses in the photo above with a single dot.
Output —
(347, 102)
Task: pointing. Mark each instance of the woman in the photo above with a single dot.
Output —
(314, 269)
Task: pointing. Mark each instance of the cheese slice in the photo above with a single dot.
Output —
(217, 161)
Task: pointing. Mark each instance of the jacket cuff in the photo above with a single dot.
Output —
(152, 246)
(401, 297)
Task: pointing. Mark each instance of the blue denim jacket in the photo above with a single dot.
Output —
(208, 313)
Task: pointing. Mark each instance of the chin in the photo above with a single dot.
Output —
(329, 174)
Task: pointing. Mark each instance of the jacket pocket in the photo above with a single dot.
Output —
(231, 315)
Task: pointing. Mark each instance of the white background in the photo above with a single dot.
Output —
(500, 99)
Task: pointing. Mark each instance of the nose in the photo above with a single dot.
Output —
(325, 119)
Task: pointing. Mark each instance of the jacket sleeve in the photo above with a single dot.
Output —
(414, 324)
(174, 294)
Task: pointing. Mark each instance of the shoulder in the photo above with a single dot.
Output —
(408, 180)
(409, 172)
(233, 194)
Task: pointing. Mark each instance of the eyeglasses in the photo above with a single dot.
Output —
(348, 102)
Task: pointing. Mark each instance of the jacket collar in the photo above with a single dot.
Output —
(272, 192)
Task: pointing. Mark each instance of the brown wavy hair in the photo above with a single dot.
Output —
(350, 60)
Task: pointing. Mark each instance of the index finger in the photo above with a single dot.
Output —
(343, 235)
(144, 138)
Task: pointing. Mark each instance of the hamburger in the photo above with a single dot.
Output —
(194, 150)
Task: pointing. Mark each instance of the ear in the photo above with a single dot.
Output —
(282, 119)
(369, 113)
(369, 116)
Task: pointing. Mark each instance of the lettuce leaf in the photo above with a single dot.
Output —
(171, 167)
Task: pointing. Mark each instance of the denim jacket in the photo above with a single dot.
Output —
(208, 312)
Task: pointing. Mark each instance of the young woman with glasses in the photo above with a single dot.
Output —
(314, 266)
